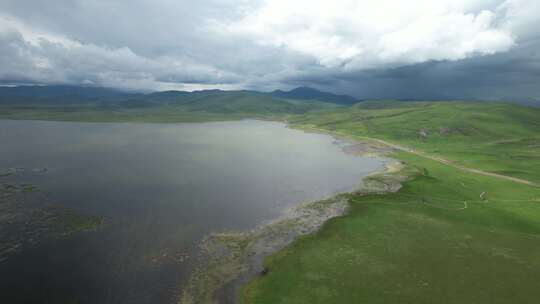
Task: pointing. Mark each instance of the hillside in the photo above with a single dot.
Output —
(305, 93)
(497, 137)
(234, 102)
(168, 106)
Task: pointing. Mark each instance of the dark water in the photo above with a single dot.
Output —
(161, 187)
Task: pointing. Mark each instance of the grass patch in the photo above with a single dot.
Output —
(68, 222)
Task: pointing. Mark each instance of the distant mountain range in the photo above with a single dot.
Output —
(62, 94)
(66, 94)
(306, 93)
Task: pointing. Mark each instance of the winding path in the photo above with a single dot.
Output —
(438, 159)
(454, 165)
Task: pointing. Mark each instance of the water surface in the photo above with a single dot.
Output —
(161, 188)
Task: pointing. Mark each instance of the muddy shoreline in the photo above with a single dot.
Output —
(231, 259)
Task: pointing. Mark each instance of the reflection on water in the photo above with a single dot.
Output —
(160, 187)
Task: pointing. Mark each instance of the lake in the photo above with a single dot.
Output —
(160, 188)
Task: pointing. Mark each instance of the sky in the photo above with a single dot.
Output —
(463, 49)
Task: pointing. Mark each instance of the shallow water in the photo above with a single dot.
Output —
(161, 188)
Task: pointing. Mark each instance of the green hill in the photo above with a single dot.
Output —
(171, 106)
(230, 102)
(306, 93)
(497, 137)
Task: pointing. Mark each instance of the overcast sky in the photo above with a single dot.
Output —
(476, 49)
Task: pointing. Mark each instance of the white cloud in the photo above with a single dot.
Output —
(369, 34)
(521, 17)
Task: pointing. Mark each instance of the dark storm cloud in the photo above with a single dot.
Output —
(383, 49)
(514, 76)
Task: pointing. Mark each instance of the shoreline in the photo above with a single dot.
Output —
(229, 260)
(237, 257)
(232, 259)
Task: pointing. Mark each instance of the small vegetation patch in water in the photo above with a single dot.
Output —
(68, 222)
(27, 217)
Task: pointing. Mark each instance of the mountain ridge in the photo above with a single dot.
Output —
(90, 93)
(307, 93)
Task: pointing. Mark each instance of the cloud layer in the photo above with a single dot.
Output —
(360, 47)
(367, 34)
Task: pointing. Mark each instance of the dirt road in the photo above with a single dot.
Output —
(439, 159)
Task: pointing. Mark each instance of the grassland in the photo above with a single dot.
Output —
(496, 137)
(448, 236)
